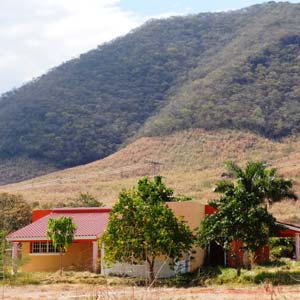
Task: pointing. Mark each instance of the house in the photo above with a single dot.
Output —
(83, 254)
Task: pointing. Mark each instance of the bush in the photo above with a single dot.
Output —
(281, 247)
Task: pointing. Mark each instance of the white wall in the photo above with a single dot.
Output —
(161, 269)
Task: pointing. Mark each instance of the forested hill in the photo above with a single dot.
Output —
(238, 69)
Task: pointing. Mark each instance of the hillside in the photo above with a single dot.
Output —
(237, 70)
(251, 83)
(191, 162)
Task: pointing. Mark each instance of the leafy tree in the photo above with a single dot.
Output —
(141, 227)
(82, 200)
(239, 217)
(154, 191)
(61, 232)
(15, 212)
(258, 179)
(240, 214)
(85, 200)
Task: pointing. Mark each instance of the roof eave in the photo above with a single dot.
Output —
(44, 239)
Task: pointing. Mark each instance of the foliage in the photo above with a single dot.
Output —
(249, 84)
(281, 247)
(15, 212)
(81, 200)
(141, 227)
(240, 215)
(3, 254)
(273, 242)
(256, 178)
(84, 200)
(155, 191)
(286, 273)
(220, 70)
(61, 232)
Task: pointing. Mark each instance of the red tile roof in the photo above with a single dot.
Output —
(90, 224)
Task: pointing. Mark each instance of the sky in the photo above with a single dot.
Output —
(37, 35)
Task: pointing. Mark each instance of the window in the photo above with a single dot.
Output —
(35, 247)
(42, 247)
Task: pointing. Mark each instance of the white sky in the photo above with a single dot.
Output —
(36, 35)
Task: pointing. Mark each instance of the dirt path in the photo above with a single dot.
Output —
(82, 292)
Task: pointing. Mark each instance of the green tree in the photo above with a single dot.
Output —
(258, 179)
(61, 232)
(85, 200)
(82, 200)
(241, 215)
(15, 213)
(141, 228)
(153, 191)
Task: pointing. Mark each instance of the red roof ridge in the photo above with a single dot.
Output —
(80, 209)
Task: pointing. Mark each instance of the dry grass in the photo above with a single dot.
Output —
(84, 285)
(192, 161)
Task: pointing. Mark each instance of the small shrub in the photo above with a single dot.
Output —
(281, 247)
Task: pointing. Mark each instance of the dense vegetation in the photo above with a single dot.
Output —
(240, 215)
(15, 213)
(237, 69)
(252, 83)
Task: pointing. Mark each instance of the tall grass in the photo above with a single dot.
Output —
(280, 272)
(191, 162)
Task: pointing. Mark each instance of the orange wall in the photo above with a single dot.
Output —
(79, 255)
(193, 213)
(78, 258)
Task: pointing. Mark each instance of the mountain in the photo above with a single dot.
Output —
(191, 162)
(236, 70)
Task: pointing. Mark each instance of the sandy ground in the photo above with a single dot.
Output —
(65, 291)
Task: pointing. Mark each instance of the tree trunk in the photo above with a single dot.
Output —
(238, 270)
(61, 265)
(151, 269)
(238, 262)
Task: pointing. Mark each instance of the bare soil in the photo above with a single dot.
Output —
(66, 291)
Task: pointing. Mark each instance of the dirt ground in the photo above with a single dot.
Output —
(82, 292)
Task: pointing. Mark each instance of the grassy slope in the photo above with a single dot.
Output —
(192, 161)
(22, 168)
